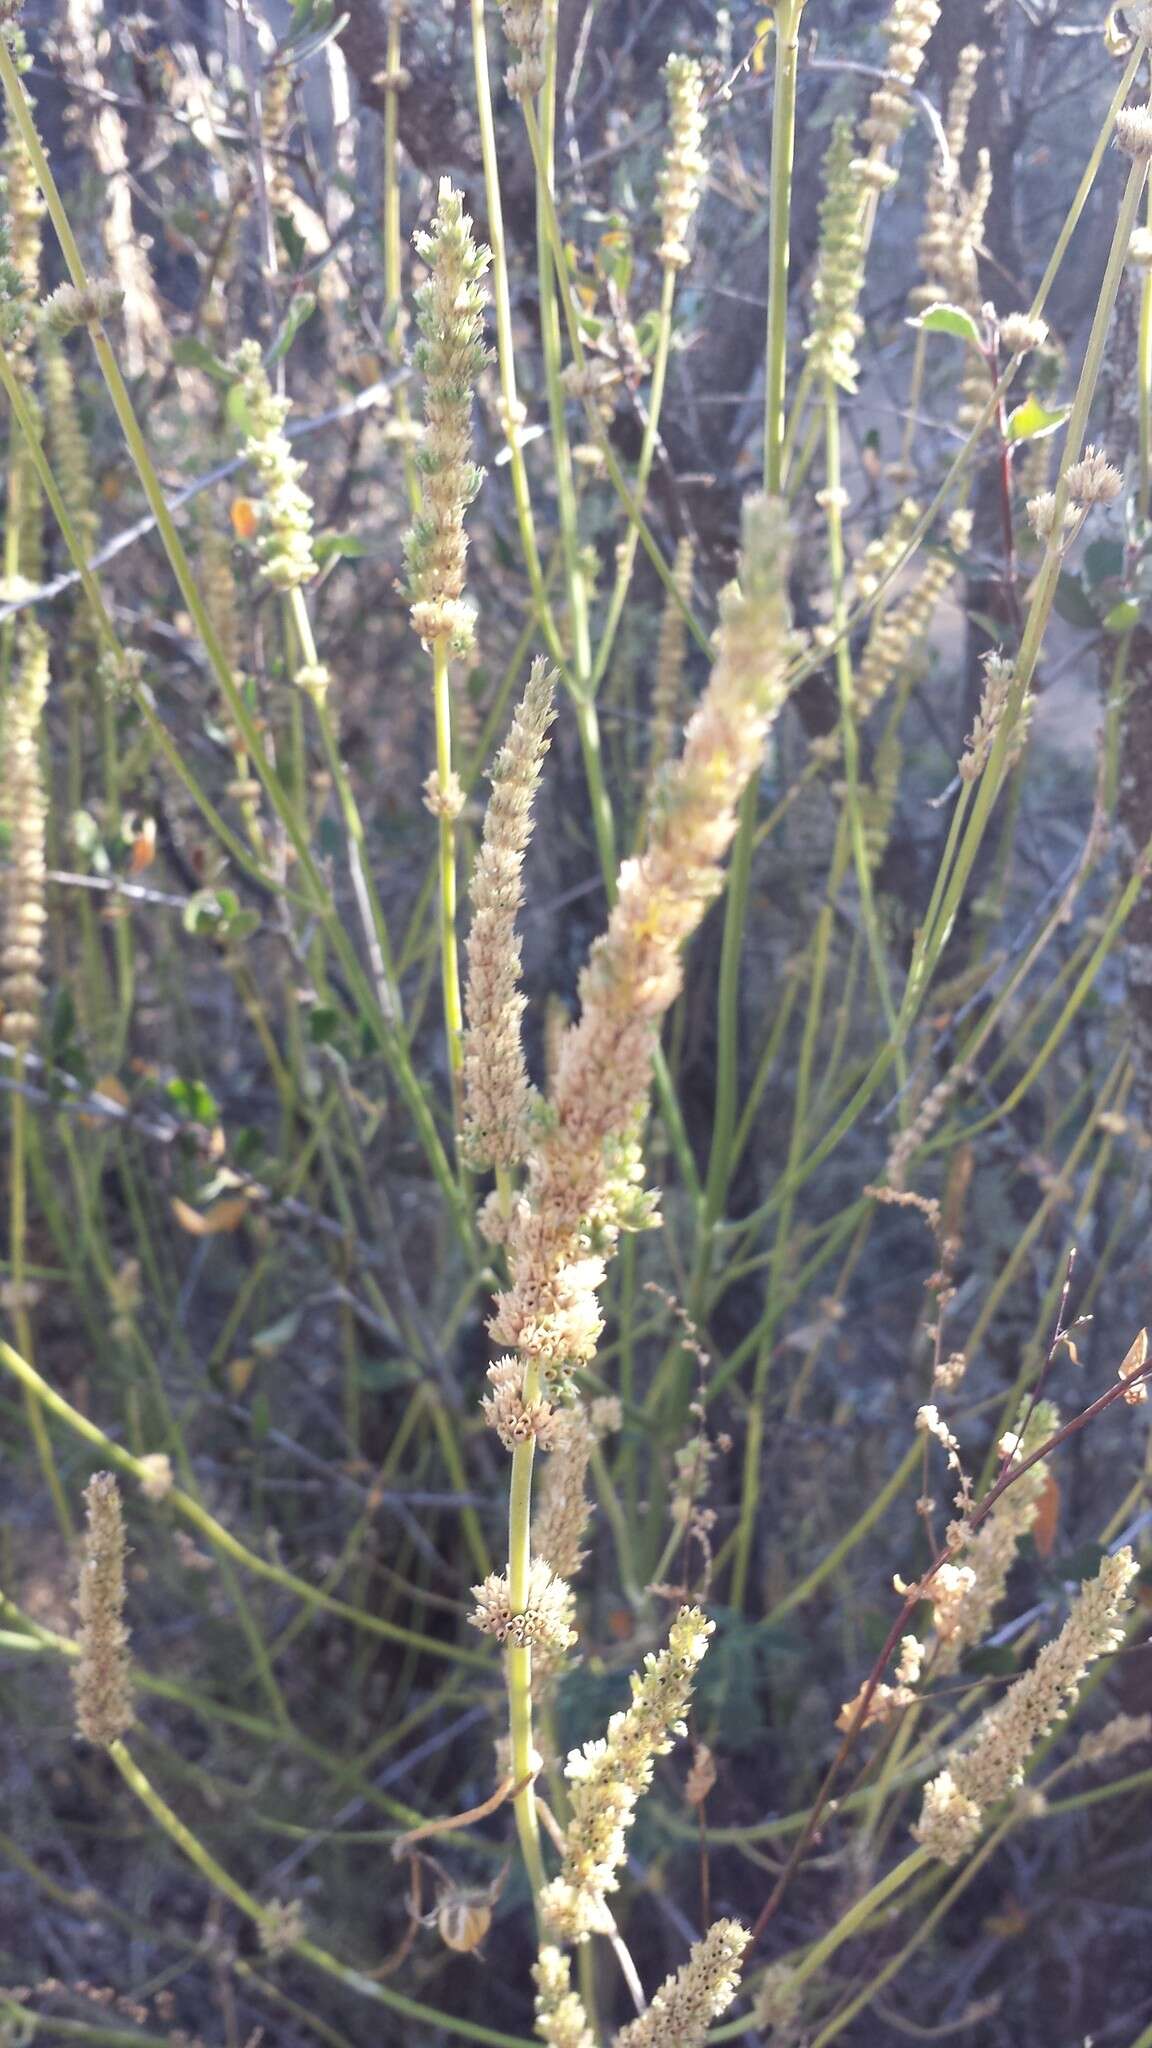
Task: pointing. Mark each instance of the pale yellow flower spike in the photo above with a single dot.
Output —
(497, 1095)
(685, 2006)
(609, 1777)
(582, 1173)
(23, 809)
(956, 1801)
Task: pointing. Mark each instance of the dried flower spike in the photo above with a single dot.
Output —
(102, 1675)
(525, 28)
(836, 323)
(545, 1621)
(1134, 131)
(685, 2006)
(23, 809)
(982, 1774)
(68, 307)
(450, 356)
(1093, 480)
(497, 1094)
(608, 1778)
(560, 2017)
(285, 529)
(582, 1180)
(685, 165)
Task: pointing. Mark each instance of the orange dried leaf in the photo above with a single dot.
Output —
(143, 847)
(1047, 1516)
(226, 1214)
(245, 518)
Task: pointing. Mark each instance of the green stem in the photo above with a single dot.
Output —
(848, 735)
(626, 554)
(787, 52)
(505, 346)
(215, 1875)
(21, 1320)
(446, 845)
(221, 1538)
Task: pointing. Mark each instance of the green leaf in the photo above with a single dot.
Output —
(1071, 602)
(1122, 616)
(301, 309)
(202, 912)
(945, 319)
(292, 240)
(191, 354)
(1032, 421)
(239, 415)
(194, 1101)
(329, 547)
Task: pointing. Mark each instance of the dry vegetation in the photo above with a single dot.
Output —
(576, 1033)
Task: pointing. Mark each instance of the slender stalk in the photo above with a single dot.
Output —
(21, 1320)
(446, 894)
(518, 1661)
(626, 554)
(221, 1881)
(575, 575)
(848, 736)
(787, 17)
(505, 346)
(221, 1538)
(787, 52)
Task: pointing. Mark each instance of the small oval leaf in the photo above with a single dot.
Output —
(945, 319)
(1032, 421)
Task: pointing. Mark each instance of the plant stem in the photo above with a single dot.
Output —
(446, 846)
(787, 52)
(519, 1660)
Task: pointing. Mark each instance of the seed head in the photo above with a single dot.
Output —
(101, 1678)
(1134, 131)
(983, 1773)
(23, 808)
(1020, 335)
(608, 1778)
(836, 325)
(1093, 480)
(560, 2016)
(545, 1620)
(685, 2006)
(685, 165)
(525, 28)
(497, 1094)
(284, 543)
(450, 355)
